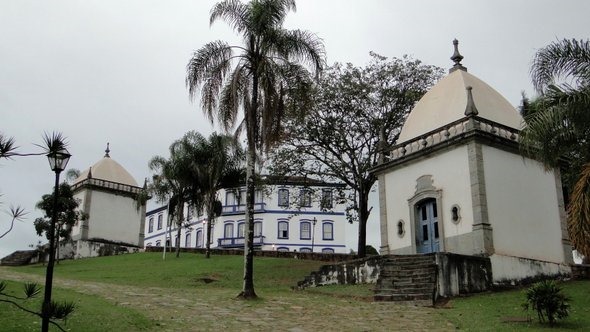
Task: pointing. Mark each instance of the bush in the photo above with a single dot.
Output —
(546, 298)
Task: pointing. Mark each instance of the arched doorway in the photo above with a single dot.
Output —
(427, 231)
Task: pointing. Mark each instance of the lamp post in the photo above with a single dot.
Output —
(57, 161)
(314, 221)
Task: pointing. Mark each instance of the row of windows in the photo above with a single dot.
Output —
(151, 223)
(228, 229)
(305, 230)
(324, 250)
(199, 244)
(305, 198)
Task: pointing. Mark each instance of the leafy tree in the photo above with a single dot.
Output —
(218, 163)
(266, 82)
(355, 108)
(558, 126)
(174, 180)
(67, 214)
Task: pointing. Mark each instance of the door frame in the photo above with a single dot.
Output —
(424, 191)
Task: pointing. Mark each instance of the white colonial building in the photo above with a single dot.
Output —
(112, 201)
(456, 183)
(290, 214)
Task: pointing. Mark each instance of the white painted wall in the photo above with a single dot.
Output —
(114, 217)
(450, 172)
(522, 207)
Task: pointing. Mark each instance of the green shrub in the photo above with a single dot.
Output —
(546, 298)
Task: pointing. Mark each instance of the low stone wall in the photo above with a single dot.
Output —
(581, 271)
(456, 274)
(316, 256)
(358, 271)
(462, 274)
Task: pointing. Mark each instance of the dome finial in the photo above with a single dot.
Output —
(106, 152)
(457, 57)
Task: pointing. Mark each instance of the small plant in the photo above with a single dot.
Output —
(59, 311)
(546, 298)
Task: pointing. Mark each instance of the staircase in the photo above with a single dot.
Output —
(21, 257)
(410, 279)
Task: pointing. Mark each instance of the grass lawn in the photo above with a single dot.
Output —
(142, 292)
(187, 271)
(486, 312)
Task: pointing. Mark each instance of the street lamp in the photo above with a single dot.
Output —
(57, 161)
(314, 221)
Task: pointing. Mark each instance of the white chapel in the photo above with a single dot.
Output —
(112, 201)
(456, 182)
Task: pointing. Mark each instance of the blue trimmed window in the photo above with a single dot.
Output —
(199, 238)
(283, 197)
(305, 230)
(327, 199)
(151, 225)
(187, 240)
(241, 227)
(283, 227)
(257, 228)
(328, 231)
(305, 249)
(160, 218)
(282, 249)
(158, 243)
(305, 198)
(228, 230)
(327, 251)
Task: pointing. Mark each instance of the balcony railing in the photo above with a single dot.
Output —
(235, 242)
(449, 132)
(239, 209)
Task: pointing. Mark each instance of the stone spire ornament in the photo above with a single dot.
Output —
(106, 152)
(457, 57)
(470, 109)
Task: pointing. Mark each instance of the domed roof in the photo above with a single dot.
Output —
(109, 170)
(447, 101)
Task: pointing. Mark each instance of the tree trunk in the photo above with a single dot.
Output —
(180, 216)
(251, 131)
(363, 196)
(209, 222)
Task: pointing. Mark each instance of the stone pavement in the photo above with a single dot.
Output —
(298, 311)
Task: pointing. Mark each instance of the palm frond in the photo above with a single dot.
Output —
(561, 59)
(233, 12)
(7, 146)
(579, 213)
(304, 46)
(54, 142)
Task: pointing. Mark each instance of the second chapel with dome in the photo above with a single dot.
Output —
(456, 183)
(114, 210)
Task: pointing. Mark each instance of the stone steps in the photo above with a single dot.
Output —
(409, 279)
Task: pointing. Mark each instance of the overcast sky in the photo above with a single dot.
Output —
(113, 71)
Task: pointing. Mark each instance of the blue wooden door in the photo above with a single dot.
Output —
(427, 227)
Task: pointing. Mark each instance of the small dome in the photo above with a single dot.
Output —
(447, 100)
(109, 170)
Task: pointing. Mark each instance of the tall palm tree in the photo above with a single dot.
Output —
(218, 163)
(264, 77)
(558, 126)
(174, 180)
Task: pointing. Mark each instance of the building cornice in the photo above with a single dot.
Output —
(448, 136)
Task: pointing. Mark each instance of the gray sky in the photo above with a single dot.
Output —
(113, 71)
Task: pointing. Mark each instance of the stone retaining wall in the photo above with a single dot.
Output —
(316, 256)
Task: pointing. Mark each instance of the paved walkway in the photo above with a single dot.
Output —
(217, 310)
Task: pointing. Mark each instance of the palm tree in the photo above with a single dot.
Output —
(267, 82)
(174, 180)
(217, 164)
(558, 126)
